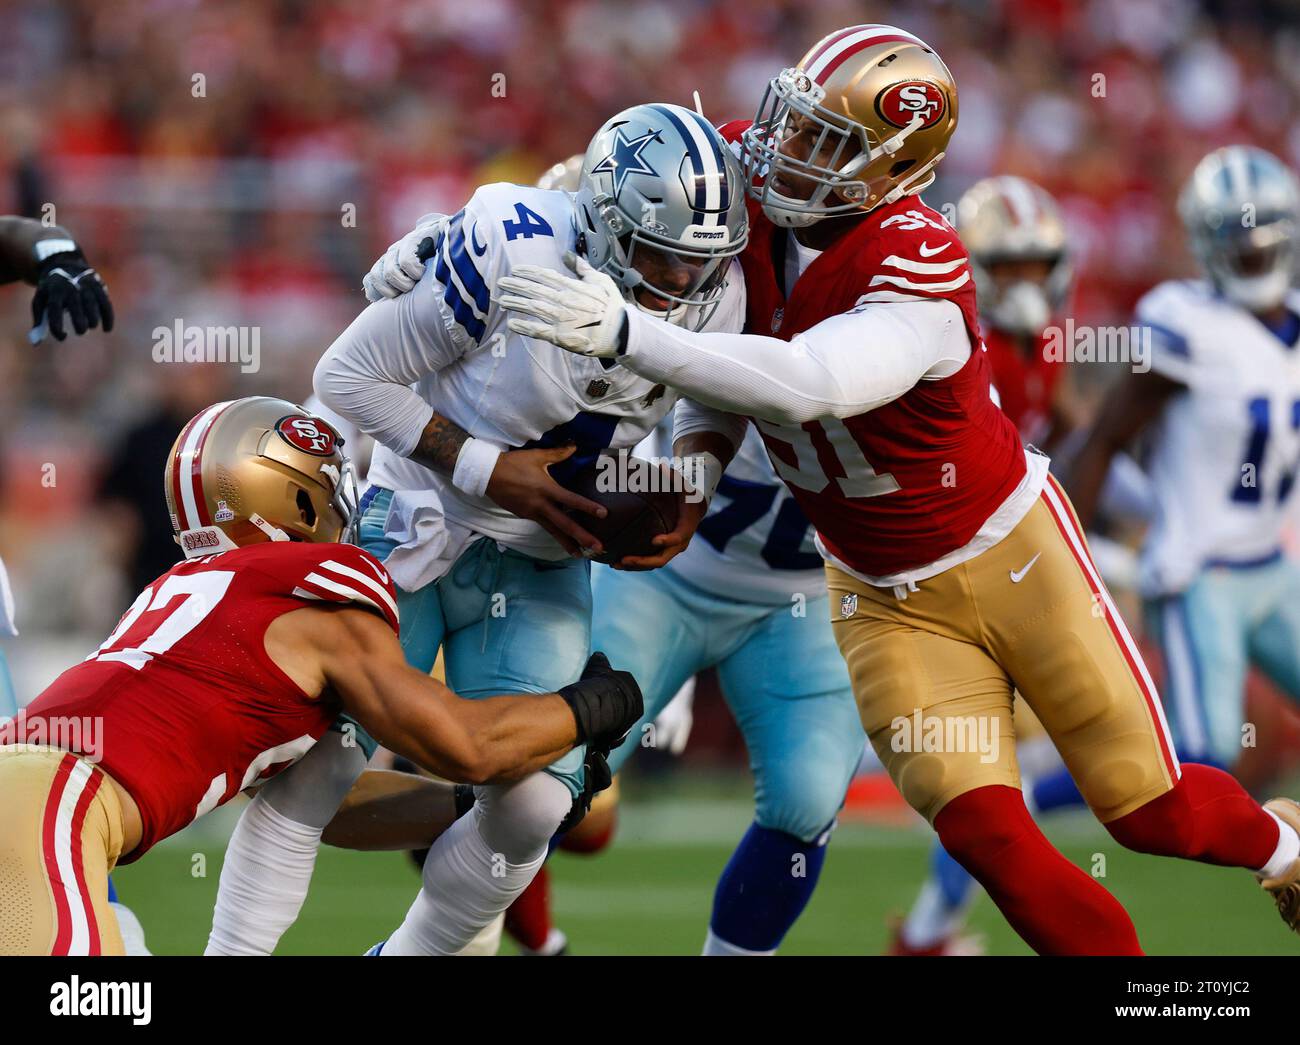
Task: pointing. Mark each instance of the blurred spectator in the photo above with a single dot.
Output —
(130, 493)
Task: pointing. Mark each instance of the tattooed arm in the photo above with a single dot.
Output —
(366, 376)
(440, 444)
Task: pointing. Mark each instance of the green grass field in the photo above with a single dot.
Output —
(651, 892)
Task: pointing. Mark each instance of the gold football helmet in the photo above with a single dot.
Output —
(258, 469)
(1006, 222)
(884, 106)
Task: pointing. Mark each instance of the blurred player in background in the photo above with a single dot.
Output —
(1023, 272)
(47, 257)
(476, 431)
(954, 558)
(1220, 411)
(229, 667)
(748, 597)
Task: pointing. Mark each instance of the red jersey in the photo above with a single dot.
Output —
(1026, 384)
(909, 482)
(191, 710)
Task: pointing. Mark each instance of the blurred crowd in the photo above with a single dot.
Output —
(241, 162)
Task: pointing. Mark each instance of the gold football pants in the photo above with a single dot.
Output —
(934, 672)
(60, 836)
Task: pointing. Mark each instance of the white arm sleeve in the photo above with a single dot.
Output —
(269, 861)
(366, 375)
(843, 366)
(690, 417)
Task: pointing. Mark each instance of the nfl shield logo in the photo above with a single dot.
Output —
(778, 317)
(848, 606)
(597, 388)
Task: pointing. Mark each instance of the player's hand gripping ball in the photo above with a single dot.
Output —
(638, 498)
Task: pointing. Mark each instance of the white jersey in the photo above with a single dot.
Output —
(755, 544)
(1223, 457)
(445, 348)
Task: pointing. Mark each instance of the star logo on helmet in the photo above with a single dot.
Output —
(626, 158)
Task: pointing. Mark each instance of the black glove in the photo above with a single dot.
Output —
(595, 778)
(66, 283)
(606, 703)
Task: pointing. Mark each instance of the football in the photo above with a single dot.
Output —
(639, 505)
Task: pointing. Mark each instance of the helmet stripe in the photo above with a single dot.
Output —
(711, 135)
(178, 501)
(189, 465)
(830, 40)
(1021, 199)
(836, 55)
(702, 186)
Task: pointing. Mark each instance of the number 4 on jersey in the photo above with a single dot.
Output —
(530, 224)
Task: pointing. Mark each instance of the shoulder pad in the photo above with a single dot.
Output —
(344, 573)
(912, 251)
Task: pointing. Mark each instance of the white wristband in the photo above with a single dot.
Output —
(47, 248)
(703, 471)
(474, 466)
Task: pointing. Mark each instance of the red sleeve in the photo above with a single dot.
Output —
(344, 573)
(733, 129)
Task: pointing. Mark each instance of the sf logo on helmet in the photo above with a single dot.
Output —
(901, 103)
(306, 434)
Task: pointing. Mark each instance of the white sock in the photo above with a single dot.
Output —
(131, 929)
(466, 886)
(554, 943)
(1286, 853)
(479, 865)
(717, 947)
(931, 920)
(488, 941)
(264, 881)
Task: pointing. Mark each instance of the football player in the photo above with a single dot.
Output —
(1221, 406)
(749, 599)
(1015, 236)
(478, 429)
(954, 560)
(229, 667)
(47, 257)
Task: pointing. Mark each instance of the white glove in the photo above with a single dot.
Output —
(673, 725)
(584, 315)
(400, 267)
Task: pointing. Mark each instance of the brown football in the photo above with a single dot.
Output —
(636, 515)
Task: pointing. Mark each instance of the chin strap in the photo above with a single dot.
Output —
(273, 532)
